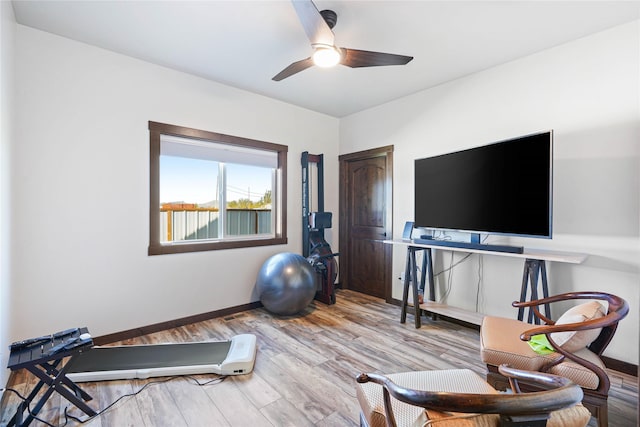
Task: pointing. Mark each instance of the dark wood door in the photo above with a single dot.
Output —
(365, 221)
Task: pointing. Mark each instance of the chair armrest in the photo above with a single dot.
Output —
(601, 322)
(618, 309)
(563, 394)
(616, 303)
(545, 380)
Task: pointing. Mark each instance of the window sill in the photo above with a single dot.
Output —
(177, 248)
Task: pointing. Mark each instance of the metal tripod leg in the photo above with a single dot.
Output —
(411, 280)
(57, 381)
(534, 271)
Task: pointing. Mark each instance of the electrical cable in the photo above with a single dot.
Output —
(449, 280)
(480, 272)
(29, 408)
(68, 416)
(449, 269)
(454, 265)
(480, 277)
(217, 380)
(443, 236)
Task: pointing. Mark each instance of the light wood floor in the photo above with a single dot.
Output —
(304, 372)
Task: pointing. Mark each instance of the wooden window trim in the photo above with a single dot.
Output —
(155, 246)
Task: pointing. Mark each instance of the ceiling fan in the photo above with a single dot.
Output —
(318, 27)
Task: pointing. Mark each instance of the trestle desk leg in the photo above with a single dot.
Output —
(405, 289)
(411, 280)
(414, 280)
(545, 288)
(534, 271)
(523, 289)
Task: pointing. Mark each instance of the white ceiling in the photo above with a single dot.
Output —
(245, 43)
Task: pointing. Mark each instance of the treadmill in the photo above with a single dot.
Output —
(232, 357)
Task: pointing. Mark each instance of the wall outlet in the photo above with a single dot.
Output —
(401, 278)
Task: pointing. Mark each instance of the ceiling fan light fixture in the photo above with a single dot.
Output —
(318, 26)
(326, 56)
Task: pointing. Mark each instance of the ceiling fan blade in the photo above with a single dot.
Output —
(294, 68)
(355, 58)
(313, 23)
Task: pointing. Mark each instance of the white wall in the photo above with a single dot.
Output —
(81, 188)
(587, 91)
(7, 32)
(79, 176)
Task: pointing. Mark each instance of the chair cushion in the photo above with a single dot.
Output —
(579, 374)
(453, 380)
(500, 343)
(574, 416)
(458, 419)
(575, 340)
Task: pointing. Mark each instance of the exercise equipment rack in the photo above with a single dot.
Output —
(314, 247)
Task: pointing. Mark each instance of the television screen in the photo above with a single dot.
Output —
(500, 188)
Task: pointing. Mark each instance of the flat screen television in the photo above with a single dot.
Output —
(503, 188)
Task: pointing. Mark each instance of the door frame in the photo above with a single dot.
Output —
(387, 152)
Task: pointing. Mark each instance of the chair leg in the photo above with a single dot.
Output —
(598, 405)
(495, 379)
(603, 417)
(363, 421)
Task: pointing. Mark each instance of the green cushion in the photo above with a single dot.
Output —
(540, 344)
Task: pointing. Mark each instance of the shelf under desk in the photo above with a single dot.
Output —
(452, 312)
(467, 316)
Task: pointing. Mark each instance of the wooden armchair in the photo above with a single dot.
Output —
(575, 343)
(461, 398)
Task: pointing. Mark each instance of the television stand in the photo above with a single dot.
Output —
(534, 276)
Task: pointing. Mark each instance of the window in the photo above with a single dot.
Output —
(212, 191)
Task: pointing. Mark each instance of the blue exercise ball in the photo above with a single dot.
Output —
(286, 283)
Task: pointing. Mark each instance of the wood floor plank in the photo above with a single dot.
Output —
(157, 406)
(218, 330)
(22, 386)
(304, 371)
(289, 344)
(257, 390)
(93, 389)
(336, 419)
(283, 413)
(235, 407)
(343, 363)
(301, 395)
(194, 403)
(125, 412)
(315, 379)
